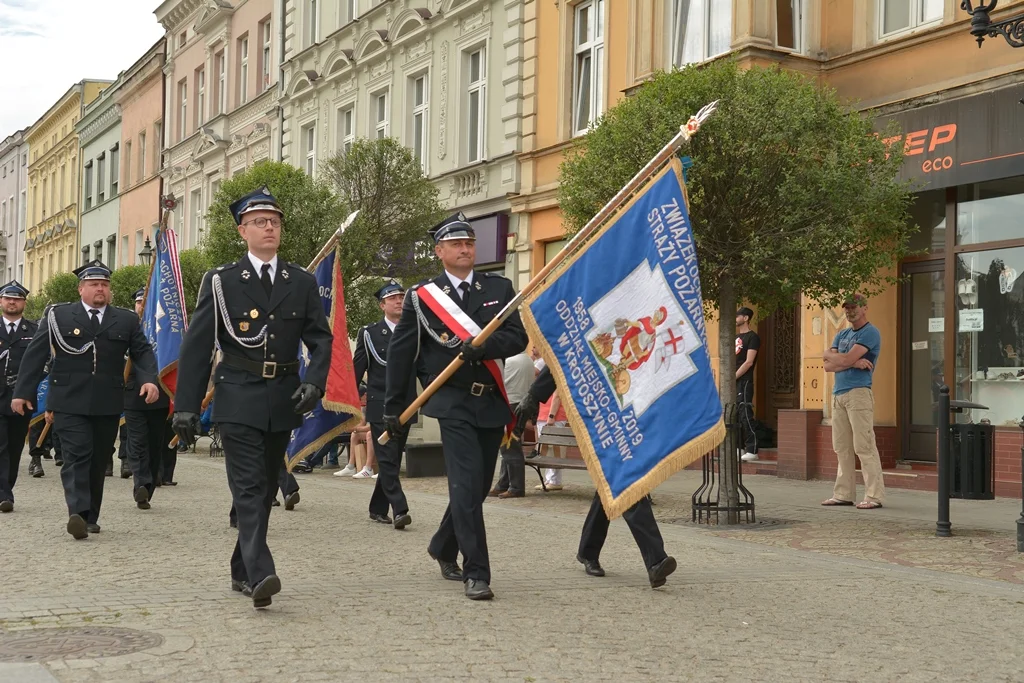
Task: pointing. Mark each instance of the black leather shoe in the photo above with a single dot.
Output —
(591, 567)
(35, 467)
(403, 520)
(276, 503)
(142, 498)
(110, 470)
(449, 570)
(302, 467)
(77, 527)
(291, 500)
(6, 506)
(242, 587)
(383, 519)
(478, 590)
(170, 483)
(126, 473)
(93, 528)
(233, 523)
(659, 572)
(47, 456)
(263, 590)
(59, 462)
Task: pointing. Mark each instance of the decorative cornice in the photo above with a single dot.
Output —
(100, 123)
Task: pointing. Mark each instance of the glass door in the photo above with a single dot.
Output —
(922, 355)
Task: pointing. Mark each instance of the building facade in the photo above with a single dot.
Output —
(13, 199)
(142, 129)
(443, 77)
(99, 135)
(220, 78)
(54, 182)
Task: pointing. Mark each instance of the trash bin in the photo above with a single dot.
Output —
(972, 450)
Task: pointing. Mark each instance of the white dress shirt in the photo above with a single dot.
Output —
(258, 265)
(8, 322)
(101, 309)
(391, 325)
(456, 281)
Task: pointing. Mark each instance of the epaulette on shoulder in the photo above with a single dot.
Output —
(226, 266)
(296, 266)
(497, 275)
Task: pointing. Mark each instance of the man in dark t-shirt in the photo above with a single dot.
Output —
(747, 345)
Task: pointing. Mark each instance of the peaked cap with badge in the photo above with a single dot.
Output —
(257, 200)
(13, 345)
(13, 290)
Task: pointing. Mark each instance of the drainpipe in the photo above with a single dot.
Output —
(280, 84)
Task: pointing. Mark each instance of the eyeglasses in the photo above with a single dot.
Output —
(261, 222)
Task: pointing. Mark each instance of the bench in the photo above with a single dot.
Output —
(552, 435)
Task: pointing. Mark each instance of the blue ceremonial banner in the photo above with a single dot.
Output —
(164, 318)
(41, 393)
(339, 411)
(621, 325)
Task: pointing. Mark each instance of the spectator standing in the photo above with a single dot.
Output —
(747, 345)
(852, 358)
(551, 411)
(518, 376)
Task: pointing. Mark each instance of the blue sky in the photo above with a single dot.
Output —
(48, 45)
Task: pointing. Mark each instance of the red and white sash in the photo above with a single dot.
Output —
(464, 327)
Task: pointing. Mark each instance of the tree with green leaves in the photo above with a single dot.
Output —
(194, 264)
(397, 205)
(312, 213)
(790, 192)
(125, 281)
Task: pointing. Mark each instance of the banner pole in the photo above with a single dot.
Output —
(686, 131)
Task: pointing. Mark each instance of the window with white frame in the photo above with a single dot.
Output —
(124, 250)
(381, 112)
(243, 70)
(127, 163)
(420, 119)
(182, 109)
(200, 97)
(346, 129)
(309, 147)
(701, 29)
(789, 24)
(588, 69)
(222, 82)
(312, 20)
(158, 135)
(476, 103)
(63, 183)
(101, 178)
(195, 222)
(142, 155)
(139, 240)
(351, 10)
(86, 187)
(264, 55)
(115, 171)
(903, 15)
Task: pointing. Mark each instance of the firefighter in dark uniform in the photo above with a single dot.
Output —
(15, 336)
(257, 311)
(90, 341)
(470, 407)
(639, 518)
(370, 359)
(146, 425)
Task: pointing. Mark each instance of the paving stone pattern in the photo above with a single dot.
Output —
(362, 602)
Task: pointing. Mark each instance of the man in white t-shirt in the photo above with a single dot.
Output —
(518, 376)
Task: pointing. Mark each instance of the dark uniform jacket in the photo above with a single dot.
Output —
(132, 400)
(14, 348)
(77, 386)
(292, 314)
(487, 297)
(372, 343)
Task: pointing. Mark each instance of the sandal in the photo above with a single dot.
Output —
(835, 501)
(868, 505)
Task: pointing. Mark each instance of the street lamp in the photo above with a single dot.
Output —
(982, 27)
(146, 255)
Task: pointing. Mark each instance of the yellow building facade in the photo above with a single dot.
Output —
(54, 186)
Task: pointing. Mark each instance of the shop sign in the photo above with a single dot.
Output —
(962, 141)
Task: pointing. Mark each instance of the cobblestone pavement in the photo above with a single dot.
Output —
(364, 602)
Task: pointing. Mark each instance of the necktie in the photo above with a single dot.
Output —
(265, 278)
(464, 301)
(95, 319)
(10, 329)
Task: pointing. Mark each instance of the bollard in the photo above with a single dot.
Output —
(943, 528)
(1020, 522)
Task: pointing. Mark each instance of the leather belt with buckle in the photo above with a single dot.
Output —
(478, 389)
(265, 369)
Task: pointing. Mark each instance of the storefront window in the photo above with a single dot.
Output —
(990, 334)
(990, 212)
(929, 214)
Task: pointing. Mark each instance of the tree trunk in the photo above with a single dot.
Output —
(728, 458)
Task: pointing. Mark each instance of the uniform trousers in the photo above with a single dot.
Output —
(470, 454)
(387, 490)
(146, 443)
(253, 459)
(51, 441)
(12, 440)
(641, 523)
(87, 442)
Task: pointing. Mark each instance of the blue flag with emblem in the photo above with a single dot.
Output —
(622, 327)
(41, 392)
(338, 411)
(163, 317)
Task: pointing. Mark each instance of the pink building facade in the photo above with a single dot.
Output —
(142, 123)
